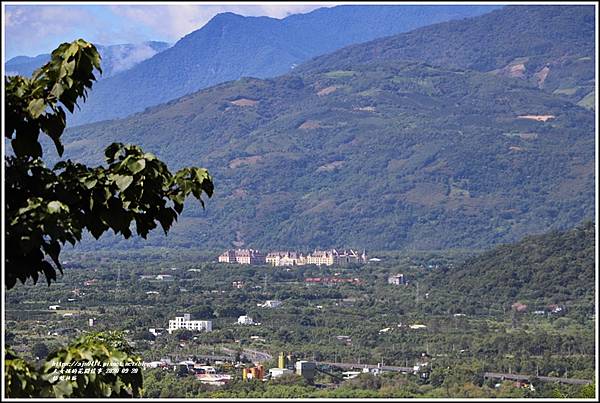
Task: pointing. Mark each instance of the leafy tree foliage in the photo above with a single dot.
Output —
(588, 391)
(45, 208)
(23, 380)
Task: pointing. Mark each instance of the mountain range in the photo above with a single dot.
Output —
(115, 58)
(385, 152)
(546, 46)
(232, 46)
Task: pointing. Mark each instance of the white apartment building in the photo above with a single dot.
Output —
(245, 320)
(185, 322)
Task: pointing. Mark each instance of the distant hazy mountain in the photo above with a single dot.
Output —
(115, 58)
(380, 152)
(231, 46)
(547, 46)
(25, 65)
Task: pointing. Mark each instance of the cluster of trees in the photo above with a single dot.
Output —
(459, 383)
(47, 207)
(553, 268)
(92, 356)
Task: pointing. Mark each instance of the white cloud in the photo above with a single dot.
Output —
(282, 11)
(167, 21)
(126, 57)
(42, 25)
(176, 21)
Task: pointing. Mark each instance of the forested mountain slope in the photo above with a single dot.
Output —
(549, 46)
(555, 268)
(386, 155)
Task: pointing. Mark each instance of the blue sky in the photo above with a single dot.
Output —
(32, 29)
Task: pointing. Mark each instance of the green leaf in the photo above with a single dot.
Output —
(53, 250)
(69, 67)
(111, 152)
(136, 166)
(123, 181)
(57, 90)
(36, 107)
(49, 272)
(56, 206)
(96, 228)
(90, 182)
(47, 208)
(63, 389)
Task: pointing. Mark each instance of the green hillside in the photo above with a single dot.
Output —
(385, 155)
(554, 268)
(549, 46)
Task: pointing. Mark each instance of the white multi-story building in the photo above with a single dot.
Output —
(242, 256)
(185, 322)
(245, 320)
(396, 279)
(285, 259)
(227, 257)
(332, 256)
